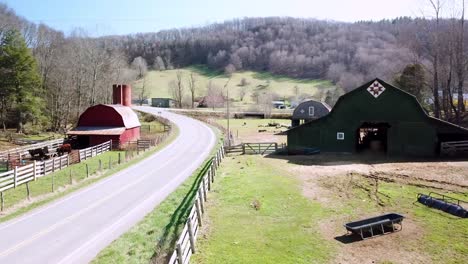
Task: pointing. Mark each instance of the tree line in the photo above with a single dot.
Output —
(48, 79)
(426, 56)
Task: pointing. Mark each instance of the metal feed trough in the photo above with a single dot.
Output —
(445, 203)
(375, 226)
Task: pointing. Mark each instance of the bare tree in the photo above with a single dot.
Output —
(143, 93)
(176, 88)
(214, 96)
(192, 88)
(242, 92)
(139, 64)
(159, 64)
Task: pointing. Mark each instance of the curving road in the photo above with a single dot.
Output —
(76, 227)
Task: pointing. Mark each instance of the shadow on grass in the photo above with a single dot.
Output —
(348, 238)
(283, 78)
(206, 71)
(178, 219)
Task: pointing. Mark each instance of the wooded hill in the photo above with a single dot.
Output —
(431, 53)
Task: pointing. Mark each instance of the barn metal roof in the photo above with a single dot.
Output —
(129, 117)
(94, 130)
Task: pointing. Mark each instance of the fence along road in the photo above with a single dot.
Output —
(75, 228)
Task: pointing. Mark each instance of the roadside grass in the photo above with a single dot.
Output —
(444, 237)
(153, 238)
(157, 83)
(283, 230)
(41, 189)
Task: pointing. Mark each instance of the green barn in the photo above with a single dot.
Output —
(376, 117)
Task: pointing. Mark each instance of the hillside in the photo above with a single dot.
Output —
(157, 84)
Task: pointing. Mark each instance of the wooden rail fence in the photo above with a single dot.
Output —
(95, 150)
(20, 175)
(24, 151)
(453, 148)
(254, 148)
(185, 245)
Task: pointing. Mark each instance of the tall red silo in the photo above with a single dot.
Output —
(117, 93)
(127, 95)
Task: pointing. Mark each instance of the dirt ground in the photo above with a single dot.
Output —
(326, 176)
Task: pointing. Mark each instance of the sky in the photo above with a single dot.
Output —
(118, 17)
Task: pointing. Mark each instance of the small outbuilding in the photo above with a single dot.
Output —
(309, 110)
(376, 117)
(104, 122)
(162, 102)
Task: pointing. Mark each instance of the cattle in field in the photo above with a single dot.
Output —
(39, 153)
(65, 148)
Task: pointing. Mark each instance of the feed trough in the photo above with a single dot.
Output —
(375, 226)
(445, 203)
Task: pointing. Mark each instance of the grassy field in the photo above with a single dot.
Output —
(282, 230)
(304, 204)
(153, 238)
(157, 83)
(246, 130)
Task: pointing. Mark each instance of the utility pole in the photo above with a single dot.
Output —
(227, 112)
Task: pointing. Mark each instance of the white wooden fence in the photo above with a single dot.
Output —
(23, 151)
(24, 174)
(185, 245)
(95, 150)
(31, 172)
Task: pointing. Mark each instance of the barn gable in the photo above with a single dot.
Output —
(376, 106)
(109, 115)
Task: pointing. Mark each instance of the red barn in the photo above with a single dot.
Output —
(104, 122)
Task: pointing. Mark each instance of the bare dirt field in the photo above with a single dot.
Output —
(356, 187)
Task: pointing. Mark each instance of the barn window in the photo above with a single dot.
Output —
(340, 136)
(311, 111)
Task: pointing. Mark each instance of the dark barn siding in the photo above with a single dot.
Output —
(411, 132)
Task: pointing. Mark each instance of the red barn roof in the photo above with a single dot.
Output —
(109, 116)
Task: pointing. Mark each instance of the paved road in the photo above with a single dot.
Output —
(75, 228)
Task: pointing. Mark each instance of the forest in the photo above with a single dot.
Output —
(67, 73)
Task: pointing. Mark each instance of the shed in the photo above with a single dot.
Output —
(308, 111)
(162, 102)
(376, 117)
(104, 122)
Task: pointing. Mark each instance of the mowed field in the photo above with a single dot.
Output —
(291, 209)
(157, 83)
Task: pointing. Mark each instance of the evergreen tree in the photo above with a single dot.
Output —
(20, 84)
(412, 80)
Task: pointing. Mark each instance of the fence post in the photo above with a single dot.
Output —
(34, 170)
(100, 165)
(15, 175)
(204, 188)
(120, 158)
(179, 253)
(209, 181)
(60, 163)
(87, 170)
(53, 164)
(199, 214)
(200, 197)
(243, 148)
(68, 160)
(2, 201)
(191, 236)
